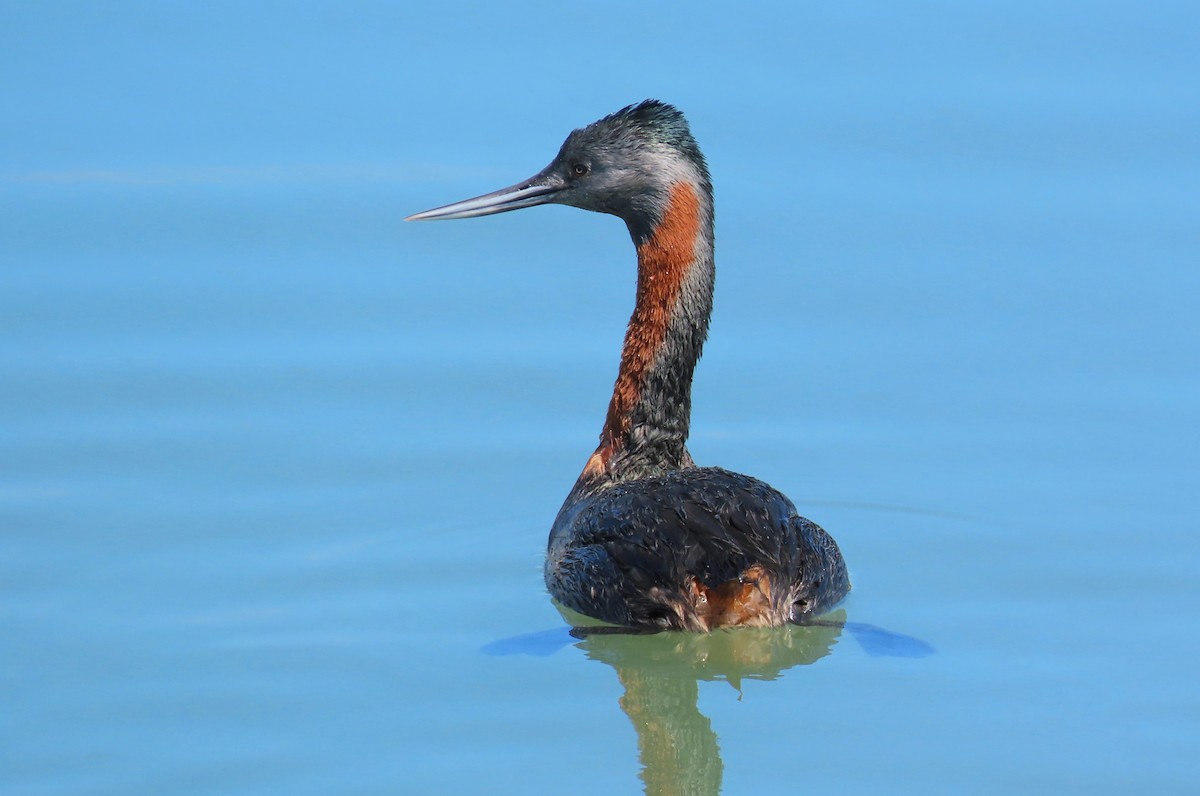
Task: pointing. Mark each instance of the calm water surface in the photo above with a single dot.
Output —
(276, 470)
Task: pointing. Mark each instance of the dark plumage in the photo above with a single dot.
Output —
(646, 538)
(626, 553)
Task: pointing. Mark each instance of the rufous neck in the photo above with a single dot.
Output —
(646, 428)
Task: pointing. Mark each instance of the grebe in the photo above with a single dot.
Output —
(647, 539)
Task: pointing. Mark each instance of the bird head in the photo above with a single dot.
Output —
(625, 164)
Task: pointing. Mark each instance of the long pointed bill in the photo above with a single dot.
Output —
(537, 190)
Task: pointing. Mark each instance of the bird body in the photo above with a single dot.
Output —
(693, 549)
(646, 538)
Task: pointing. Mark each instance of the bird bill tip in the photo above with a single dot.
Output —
(537, 190)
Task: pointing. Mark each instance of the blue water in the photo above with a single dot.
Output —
(276, 469)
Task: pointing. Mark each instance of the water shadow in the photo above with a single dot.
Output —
(677, 746)
(661, 672)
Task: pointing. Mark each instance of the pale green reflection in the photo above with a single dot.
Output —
(677, 744)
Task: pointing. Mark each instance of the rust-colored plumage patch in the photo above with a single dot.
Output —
(597, 463)
(663, 262)
(743, 601)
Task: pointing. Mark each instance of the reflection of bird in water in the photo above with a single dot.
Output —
(751, 654)
(660, 672)
(646, 538)
(677, 744)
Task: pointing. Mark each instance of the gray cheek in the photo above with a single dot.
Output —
(599, 201)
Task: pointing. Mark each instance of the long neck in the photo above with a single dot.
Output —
(646, 429)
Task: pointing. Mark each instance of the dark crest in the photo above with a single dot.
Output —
(657, 121)
(639, 126)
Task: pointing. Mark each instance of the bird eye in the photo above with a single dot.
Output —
(580, 169)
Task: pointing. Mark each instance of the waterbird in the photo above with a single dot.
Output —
(646, 538)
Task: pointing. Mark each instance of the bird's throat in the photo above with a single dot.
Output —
(648, 416)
